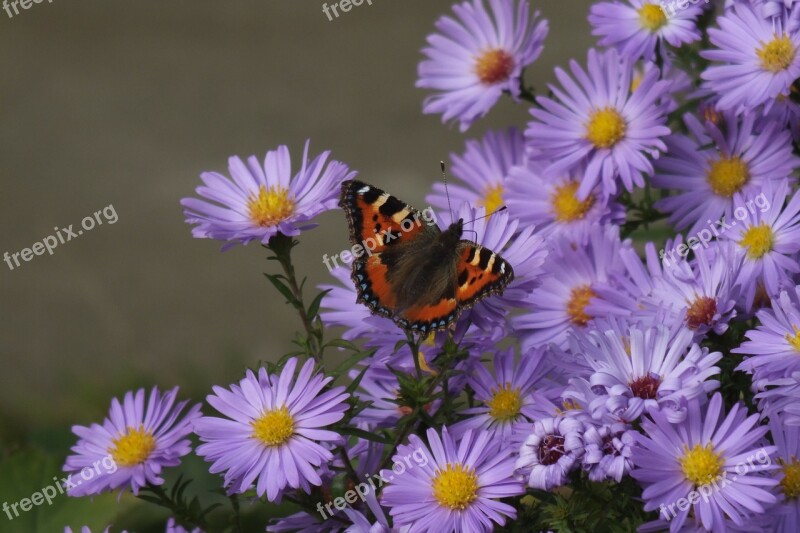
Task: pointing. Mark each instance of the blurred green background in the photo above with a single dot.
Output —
(125, 103)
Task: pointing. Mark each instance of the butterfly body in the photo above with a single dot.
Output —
(411, 271)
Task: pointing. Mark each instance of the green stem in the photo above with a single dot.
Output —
(281, 245)
(237, 516)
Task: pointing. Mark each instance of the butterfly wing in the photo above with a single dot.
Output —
(379, 223)
(377, 219)
(478, 273)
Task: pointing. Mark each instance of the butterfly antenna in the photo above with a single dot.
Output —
(446, 192)
(487, 215)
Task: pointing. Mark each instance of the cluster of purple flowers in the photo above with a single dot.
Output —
(600, 359)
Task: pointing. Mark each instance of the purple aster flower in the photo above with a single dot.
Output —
(553, 450)
(600, 125)
(757, 58)
(700, 294)
(482, 171)
(551, 204)
(478, 55)
(508, 397)
(786, 513)
(609, 448)
(713, 164)
(135, 442)
(704, 455)
(635, 27)
(774, 346)
(273, 429)
(174, 527)
(767, 238)
(258, 201)
(568, 299)
(782, 399)
(86, 529)
(652, 368)
(458, 489)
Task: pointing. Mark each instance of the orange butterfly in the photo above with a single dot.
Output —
(411, 271)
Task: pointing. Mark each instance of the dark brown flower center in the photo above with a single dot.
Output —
(551, 449)
(645, 387)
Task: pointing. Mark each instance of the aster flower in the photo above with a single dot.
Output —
(767, 238)
(600, 125)
(635, 27)
(552, 450)
(477, 55)
(272, 432)
(481, 172)
(551, 204)
(703, 453)
(568, 299)
(787, 441)
(609, 448)
(459, 488)
(650, 368)
(713, 164)
(774, 346)
(258, 201)
(782, 399)
(86, 529)
(508, 397)
(700, 294)
(757, 58)
(138, 438)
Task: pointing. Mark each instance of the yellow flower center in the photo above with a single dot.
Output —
(274, 427)
(777, 54)
(505, 403)
(568, 405)
(455, 487)
(727, 175)
(270, 206)
(605, 128)
(652, 17)
(790, 484)
(133, 448)
(576, 306)
(566, 205)
(758, 240)
(493, 199)
(494, 66)
(794, 339)
(701, 465)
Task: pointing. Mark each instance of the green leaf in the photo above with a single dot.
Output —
(313, 309)
(282, 288)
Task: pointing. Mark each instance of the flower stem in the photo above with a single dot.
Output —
(281, 246)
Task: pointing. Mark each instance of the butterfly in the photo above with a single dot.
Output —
(407, 269)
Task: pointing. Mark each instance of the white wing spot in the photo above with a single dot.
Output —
(362, 190)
